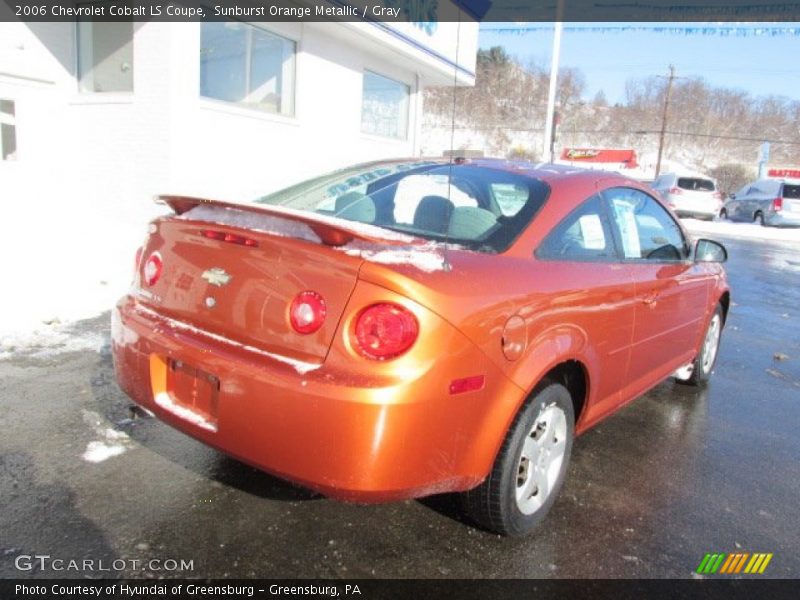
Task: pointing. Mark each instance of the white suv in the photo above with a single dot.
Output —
(689, 195)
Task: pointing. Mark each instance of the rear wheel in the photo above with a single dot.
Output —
(759, 219)
(723, 214)
(699, 372)
(529, 469)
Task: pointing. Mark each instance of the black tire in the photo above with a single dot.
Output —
(723, 214)
(493, 505)
(702, 368)
(758, 218)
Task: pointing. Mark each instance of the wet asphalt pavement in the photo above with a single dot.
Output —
(678, 473)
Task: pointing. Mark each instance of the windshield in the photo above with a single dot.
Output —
(696, 184)
(481, 208)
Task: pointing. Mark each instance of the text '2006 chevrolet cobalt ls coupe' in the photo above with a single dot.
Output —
(406, 328)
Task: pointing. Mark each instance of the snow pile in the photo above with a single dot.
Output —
(427, 257)
(748, 231)
(61, 264)
(365, 229)
(253, 221)
(48, 340)
(111, 442)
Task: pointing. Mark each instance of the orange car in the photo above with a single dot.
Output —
(406, 328)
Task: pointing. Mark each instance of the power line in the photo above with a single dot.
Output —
(727, 137)
(635, 132)
(720, 30)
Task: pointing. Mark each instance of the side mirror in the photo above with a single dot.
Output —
(710, 251)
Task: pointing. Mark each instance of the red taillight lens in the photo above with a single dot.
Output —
(385, 331)
(231, 238)
(138, 259)
(153, 267)
(777, 204)
(467, 384)
(307, 312)
(212, 235)
(676, 190)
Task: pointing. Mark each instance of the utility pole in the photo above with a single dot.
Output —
(547, 151)
(670, 79)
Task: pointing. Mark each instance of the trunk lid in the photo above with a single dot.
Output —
(240, 287)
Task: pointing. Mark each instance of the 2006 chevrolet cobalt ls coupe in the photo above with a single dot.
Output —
(406, 328)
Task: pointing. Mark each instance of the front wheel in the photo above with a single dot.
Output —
(700, 370)
(530, 468)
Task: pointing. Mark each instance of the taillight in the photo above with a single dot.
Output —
(384, 331)
(777, 204)
(675, 190)
(307, 312)
(231, 238)
(153, 267)
(717, 195)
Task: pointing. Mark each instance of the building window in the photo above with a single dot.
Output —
(8, 130)
(246, 65)
(384, 106)
(105, 56)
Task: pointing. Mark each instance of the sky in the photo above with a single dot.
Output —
(763, 59)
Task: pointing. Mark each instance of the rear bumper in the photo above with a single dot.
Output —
(703, 209)
(783, 219)
(344, 437)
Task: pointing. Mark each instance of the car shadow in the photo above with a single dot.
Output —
(450, 506)
(123, 415)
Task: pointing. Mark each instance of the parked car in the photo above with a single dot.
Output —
(773, 202)
(399, 329)
(689, 195)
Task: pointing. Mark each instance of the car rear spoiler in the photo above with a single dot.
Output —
(331, 230)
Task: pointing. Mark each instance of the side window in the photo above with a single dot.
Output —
(384, 106)
(510, 197)
(645, 228)
(248, 66)
(8, 130)
(105, 56)
(584, 235)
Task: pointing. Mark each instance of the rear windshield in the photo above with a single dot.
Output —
(791, 191)
(696, 184)
(481, 208)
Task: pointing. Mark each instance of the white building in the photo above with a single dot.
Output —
(122, 111)
(97, 118)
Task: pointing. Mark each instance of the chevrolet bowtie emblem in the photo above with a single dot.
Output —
(216, 276)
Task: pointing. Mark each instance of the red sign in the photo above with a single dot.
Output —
(601, 155)
(795, 173)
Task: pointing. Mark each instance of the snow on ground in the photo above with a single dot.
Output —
(60, 265)
(111, 442)
(748, 231)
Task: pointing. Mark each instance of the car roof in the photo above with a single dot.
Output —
(546, 172)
